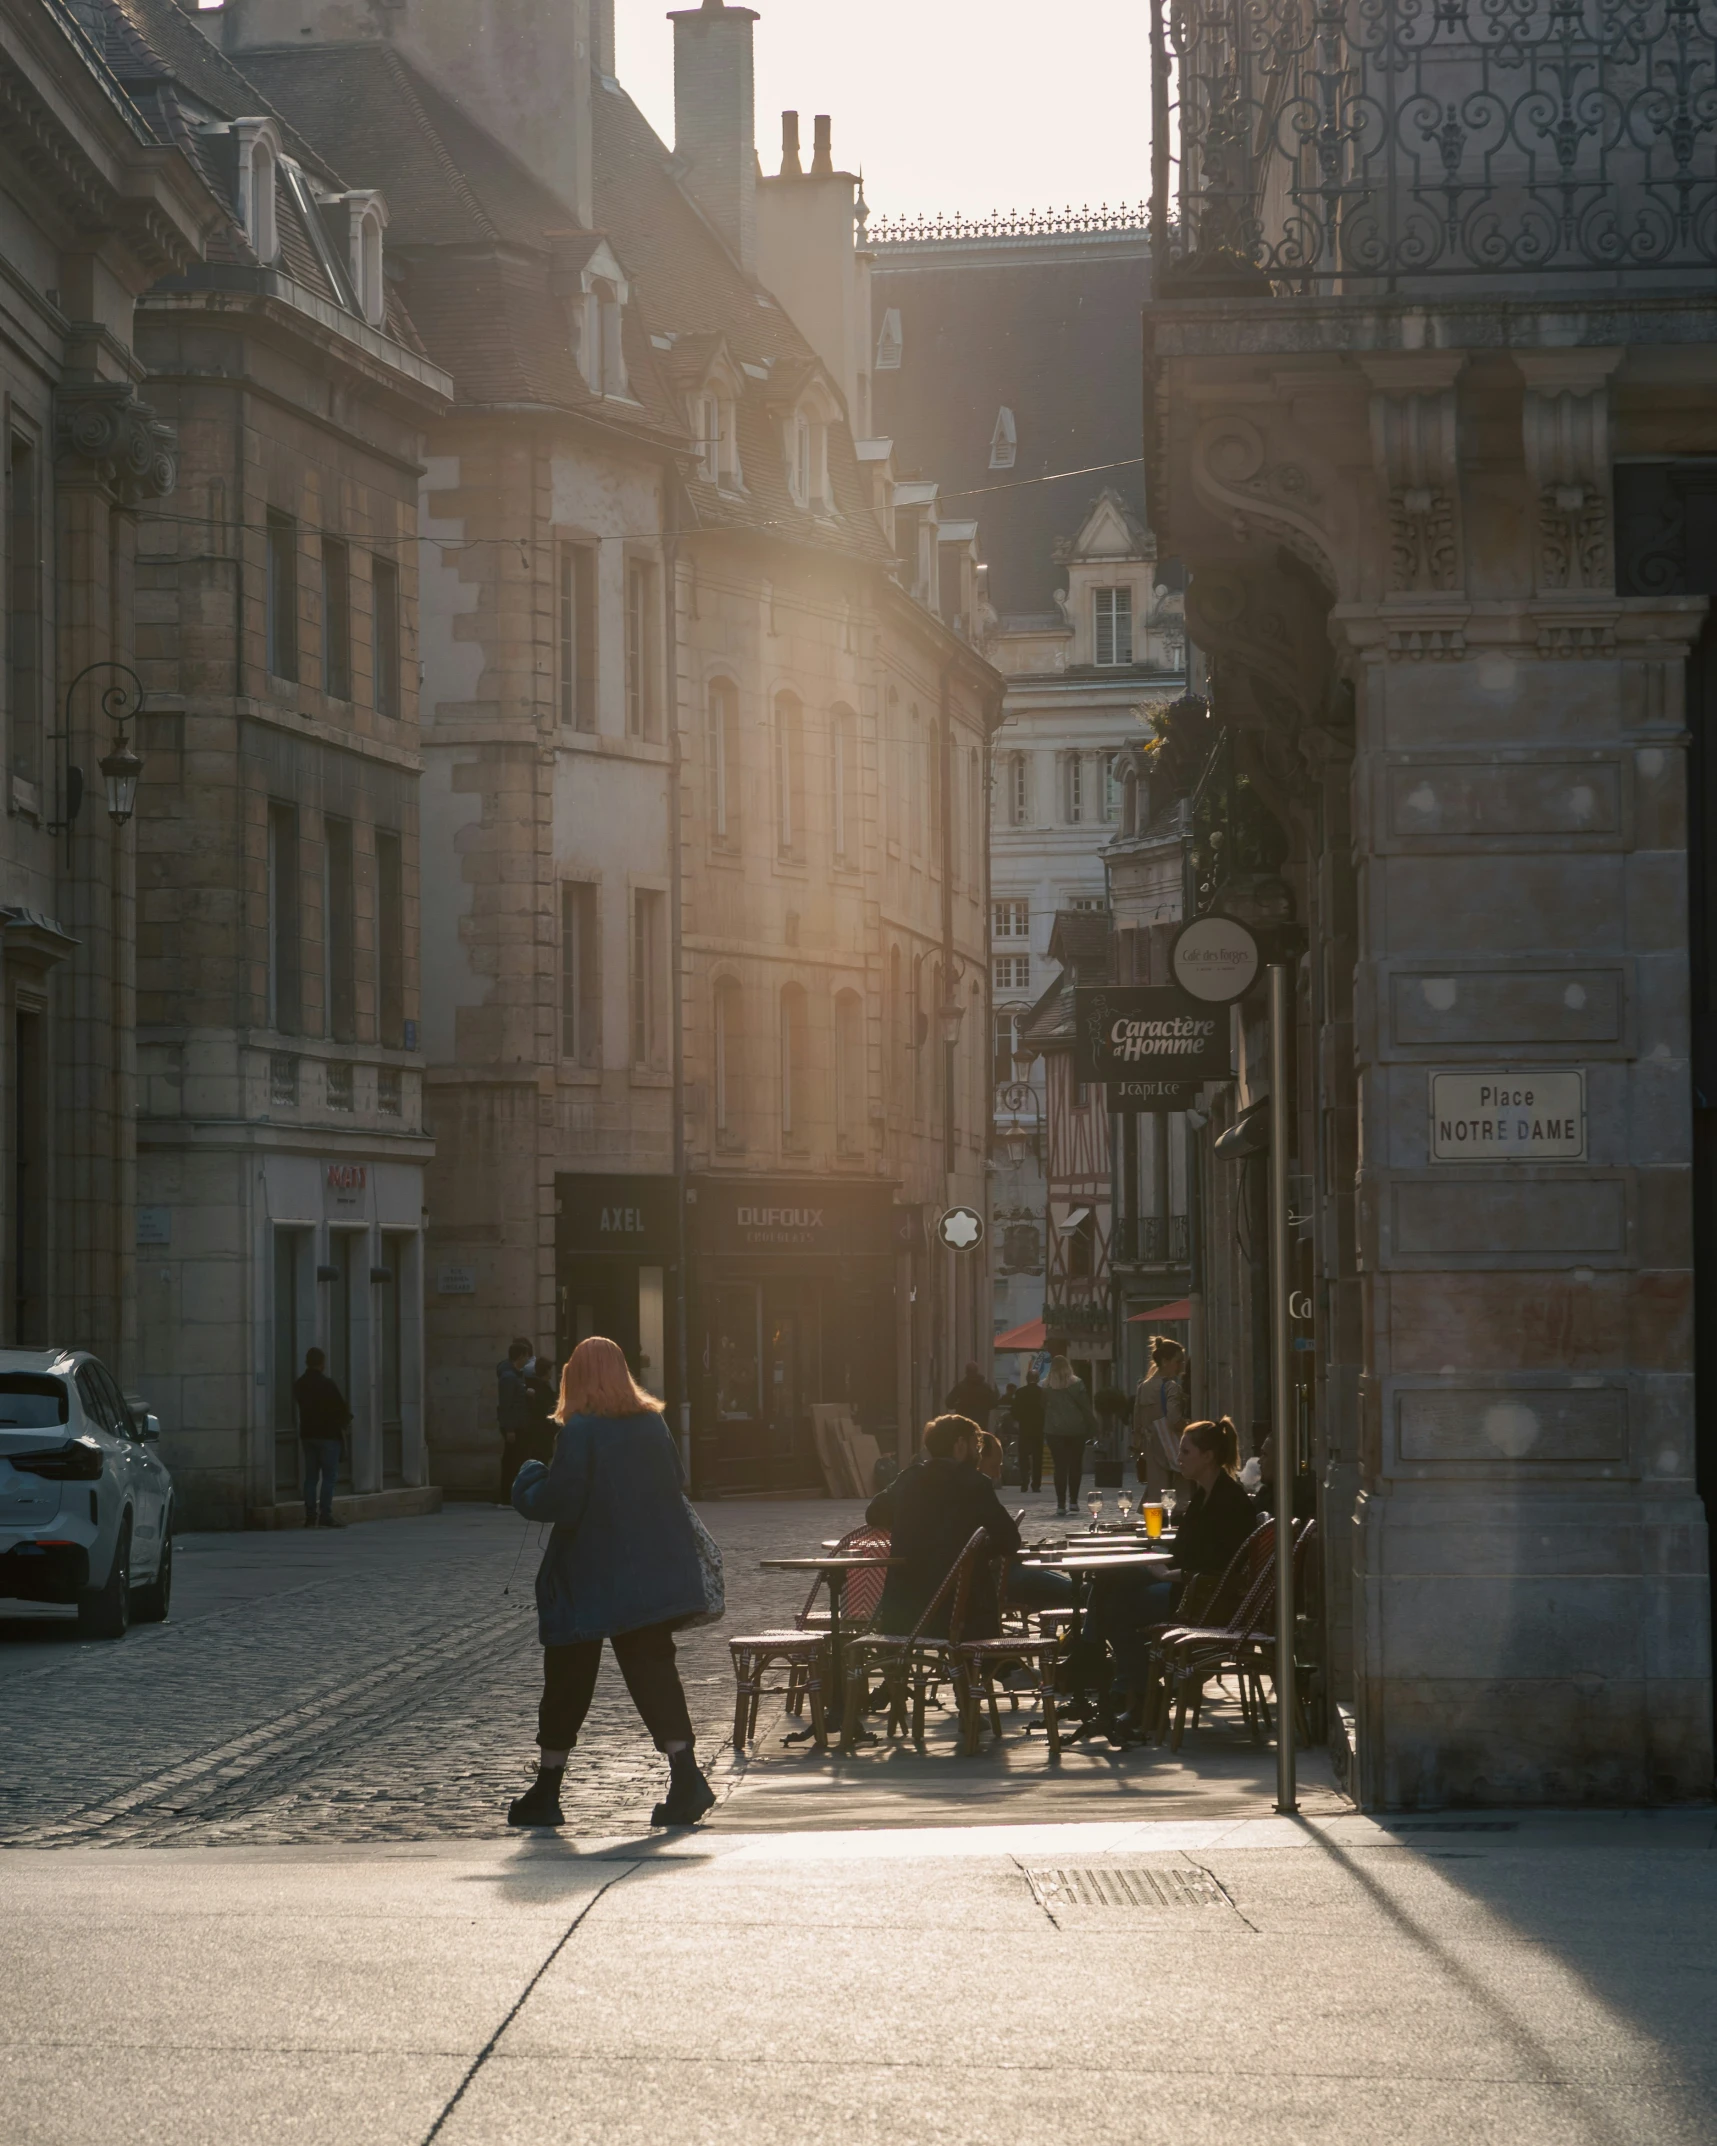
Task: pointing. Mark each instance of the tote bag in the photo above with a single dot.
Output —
(709, 1565)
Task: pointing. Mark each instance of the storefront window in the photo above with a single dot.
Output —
(738, 1393)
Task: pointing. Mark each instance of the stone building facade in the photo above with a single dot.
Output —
(1468, 696)
(93, 210)
(665, 636)
(279, 1120)
(1004, 353)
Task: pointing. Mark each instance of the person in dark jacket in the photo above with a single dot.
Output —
(932, 1510)
(973, 1395)
(322, 1420)
(1217, 1520)
(515, 1412)
(1028, 1409)
(622, 1565)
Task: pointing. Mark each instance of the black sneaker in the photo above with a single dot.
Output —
(539, 1805)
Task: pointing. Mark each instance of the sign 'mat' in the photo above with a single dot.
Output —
(1135, 1032)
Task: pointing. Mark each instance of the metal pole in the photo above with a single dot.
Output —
(1284, 1428)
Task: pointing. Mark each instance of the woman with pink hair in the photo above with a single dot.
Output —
(622, 1565)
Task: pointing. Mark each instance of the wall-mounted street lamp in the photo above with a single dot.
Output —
(121, 702)
(1023, 1108)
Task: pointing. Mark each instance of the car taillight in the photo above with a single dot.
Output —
(79, 1461)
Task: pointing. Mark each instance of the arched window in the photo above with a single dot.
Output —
(894, 762)
(895, 1072)
(367, 278)
(920, 1035)
(728, 1061)
(257, 206)
(849, 1073)
(790, 827)
(795, 1069)
(933, 794)
(724, 761)
(844, 784)
(915, 780)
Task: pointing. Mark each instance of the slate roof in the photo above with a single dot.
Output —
(179, 81)
(1061, 344)
(482, 235)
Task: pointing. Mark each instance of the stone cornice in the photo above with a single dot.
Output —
(1657, 628)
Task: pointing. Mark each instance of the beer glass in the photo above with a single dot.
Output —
(1154, 1521)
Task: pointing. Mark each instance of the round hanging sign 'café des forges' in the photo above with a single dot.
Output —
(1214, 959)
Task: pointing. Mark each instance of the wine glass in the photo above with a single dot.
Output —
(1094, 1506)
(1125, 1502)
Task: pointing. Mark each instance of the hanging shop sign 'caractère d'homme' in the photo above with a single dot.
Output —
(1135, 1032)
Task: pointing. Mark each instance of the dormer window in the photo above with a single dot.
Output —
(1114, 626)
(1004, 440)
(808, 458)
(888, 343)
(368, 222)
(255, 151)
(591, 282)
(717, 436)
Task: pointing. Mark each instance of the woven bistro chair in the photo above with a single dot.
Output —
(804, 1651)
(859, 1599)
(1187, 1656)
(1257, 1659)
(975, 1663)
(909, 1663)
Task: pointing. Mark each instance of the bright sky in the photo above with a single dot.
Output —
(947, 105)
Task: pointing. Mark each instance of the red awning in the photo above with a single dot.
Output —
(1029, 1336)
(1164, 1314)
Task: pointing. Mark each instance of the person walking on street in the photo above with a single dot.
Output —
(1068, 1421)
(1159, 1417)
(322, 1420)
(622, 1565)
(515, 1413)
(972, 1395)
(1028, 1410)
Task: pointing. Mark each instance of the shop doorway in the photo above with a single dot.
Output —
(347, 1365)
(291, 1256)
(392, 1366)
(626, 1299)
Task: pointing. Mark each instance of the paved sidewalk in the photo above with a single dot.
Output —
(1551, 1983)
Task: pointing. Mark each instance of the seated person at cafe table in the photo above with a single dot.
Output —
(932, 1510)
(1028, 1587)
(1125, 1605)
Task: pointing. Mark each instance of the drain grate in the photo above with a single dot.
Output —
(1457, 1825)
(1106, 1886)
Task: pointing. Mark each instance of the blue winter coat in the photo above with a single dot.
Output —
(622, 1553)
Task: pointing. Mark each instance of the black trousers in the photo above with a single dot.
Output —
(1030, 1461)
(1069, 1457)
(646, 1659)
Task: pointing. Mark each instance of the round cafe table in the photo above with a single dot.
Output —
(1084, 1564)
(834, 1569)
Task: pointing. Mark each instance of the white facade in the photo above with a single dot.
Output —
(1081, 687)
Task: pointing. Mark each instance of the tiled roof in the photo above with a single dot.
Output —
(1060, 344)
(180, 82)
(482, 235)
(691, 287)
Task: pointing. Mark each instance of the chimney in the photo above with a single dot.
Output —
(791, 168)
(602, 37)
(715, 119)
(822, 161)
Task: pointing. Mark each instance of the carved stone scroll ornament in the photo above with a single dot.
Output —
(124, 446)
(1257, 498)
(1415, 443)
(1566, 436)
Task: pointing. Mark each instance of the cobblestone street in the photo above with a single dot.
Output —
(375, 1684)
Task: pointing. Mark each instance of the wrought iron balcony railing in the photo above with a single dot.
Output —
(1346, 146)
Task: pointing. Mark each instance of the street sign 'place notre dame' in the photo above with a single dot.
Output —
(1137, 1032)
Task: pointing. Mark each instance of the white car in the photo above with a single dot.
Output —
(86, 1502)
